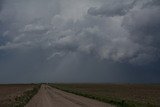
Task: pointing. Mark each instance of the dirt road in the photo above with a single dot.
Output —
(51, 97)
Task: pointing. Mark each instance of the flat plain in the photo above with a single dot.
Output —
(124, 95)
(128, 95)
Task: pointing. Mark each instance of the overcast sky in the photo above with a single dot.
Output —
(80, 41)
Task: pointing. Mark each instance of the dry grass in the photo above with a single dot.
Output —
(11, 93)
(135, 95)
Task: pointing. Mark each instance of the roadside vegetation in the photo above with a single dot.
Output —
(122, 95)
(22, 100)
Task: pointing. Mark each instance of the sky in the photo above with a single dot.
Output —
(99, 41)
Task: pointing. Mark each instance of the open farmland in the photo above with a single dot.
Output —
(13, 95)
(129, 95)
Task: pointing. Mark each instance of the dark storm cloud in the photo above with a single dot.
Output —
(143, 26)
(73, 40)
(152, 3)
(113, 8)
(1, 4)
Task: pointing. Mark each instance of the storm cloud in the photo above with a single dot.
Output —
(113, 8)
(58, 39)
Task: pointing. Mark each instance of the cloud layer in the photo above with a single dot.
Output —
(124, 31)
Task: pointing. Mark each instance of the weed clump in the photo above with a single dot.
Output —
(22, 100)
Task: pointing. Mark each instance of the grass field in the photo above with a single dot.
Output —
(16, 95)
(125, 95)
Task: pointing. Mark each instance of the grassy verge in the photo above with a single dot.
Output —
(120, 102)
(22, 100)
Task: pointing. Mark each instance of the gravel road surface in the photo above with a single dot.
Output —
(51, 97)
